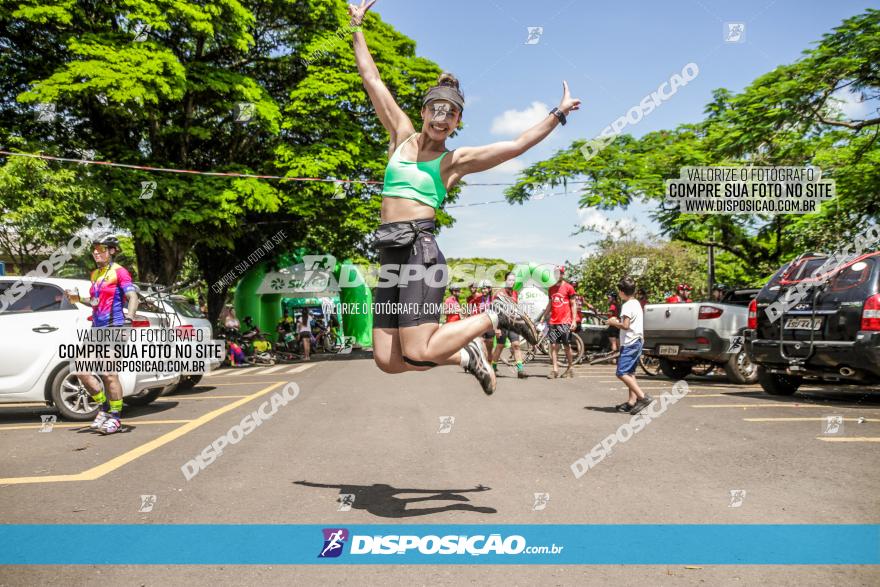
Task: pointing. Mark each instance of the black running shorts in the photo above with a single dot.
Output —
(420, 299)
(505, 334)
(559, 334)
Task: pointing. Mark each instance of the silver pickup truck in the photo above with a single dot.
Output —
(682, 335)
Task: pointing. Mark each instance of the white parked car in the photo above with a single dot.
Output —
(31, 330)
(174, 311)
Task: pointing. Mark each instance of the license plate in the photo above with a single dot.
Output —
(803, 324)
(667, 349)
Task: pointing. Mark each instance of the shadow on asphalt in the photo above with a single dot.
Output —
(354, 355)
(150, 409)
(200, 388)
(842, 398)
(379, 499)
(606, 409)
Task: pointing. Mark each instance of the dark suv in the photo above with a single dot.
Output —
(833, 333)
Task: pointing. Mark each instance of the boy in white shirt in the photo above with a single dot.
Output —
(632, 334)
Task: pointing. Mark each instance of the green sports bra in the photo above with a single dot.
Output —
(414, 180)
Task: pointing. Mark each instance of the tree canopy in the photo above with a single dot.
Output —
(219, 85)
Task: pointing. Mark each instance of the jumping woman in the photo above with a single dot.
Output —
(419, 174)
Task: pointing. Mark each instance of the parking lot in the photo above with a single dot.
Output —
(722, 454)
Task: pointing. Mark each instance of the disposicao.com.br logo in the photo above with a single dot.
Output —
(335, 539)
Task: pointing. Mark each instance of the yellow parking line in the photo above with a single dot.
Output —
(850, 439)
(86, 424)
(715, 394)
(805, 419)
(174, 398)
(238, 383)
(25, 405)
(768, 405)
(127, 457)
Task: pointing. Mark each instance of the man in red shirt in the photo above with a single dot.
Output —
(484, 303)
(561, 307)
(451, 306)
(473, 300)
(683, 296)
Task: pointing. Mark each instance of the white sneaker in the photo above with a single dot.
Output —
(111, 425)
(99, 420)
(479, 366)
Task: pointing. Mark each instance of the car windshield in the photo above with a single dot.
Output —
(740, 298)
(799, 270)
(851, 277)
(185, 309)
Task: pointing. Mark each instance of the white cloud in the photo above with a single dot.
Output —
(595, 221)
(513, 122)
(849, 104)
(521, 246)
(509, 168)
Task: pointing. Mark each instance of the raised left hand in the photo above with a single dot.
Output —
(567, 104)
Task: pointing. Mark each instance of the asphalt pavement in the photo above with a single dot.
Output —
(431, 448)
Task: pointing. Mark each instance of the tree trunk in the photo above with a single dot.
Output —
(160, 262)
(213, 265)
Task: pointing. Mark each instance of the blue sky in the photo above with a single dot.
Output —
(612, 55)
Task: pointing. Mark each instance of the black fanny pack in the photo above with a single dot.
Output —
(401, 234)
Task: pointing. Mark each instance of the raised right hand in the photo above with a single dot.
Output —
(357, 13)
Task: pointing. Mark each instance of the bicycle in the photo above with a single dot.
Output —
(543, 347)
(650, 365)
(340, 345)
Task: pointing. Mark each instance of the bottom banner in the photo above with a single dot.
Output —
(641, 544)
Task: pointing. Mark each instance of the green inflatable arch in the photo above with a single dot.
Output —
(266, 308)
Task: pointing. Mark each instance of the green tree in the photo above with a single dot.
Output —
(160, 83)
(41, 209)
(666, 265)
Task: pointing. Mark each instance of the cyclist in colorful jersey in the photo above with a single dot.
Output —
(420, 172)
(502, 335)
(114, 302)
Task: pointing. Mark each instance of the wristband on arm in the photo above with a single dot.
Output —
(559, 114)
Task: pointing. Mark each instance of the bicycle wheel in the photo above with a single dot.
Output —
(528, 351)
(577, 351)
(599, 358)
(543, 346)
(650, 365)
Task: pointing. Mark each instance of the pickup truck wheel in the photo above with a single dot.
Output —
(778, 384)
(674, 369)
(740, 369)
